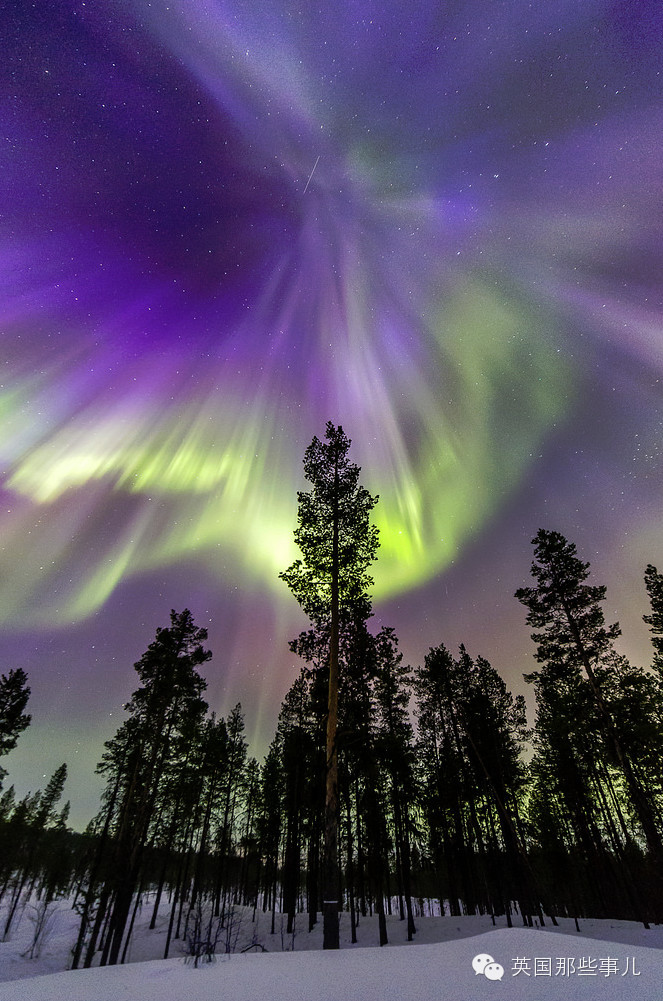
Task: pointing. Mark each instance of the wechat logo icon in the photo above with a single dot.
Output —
(486, 965)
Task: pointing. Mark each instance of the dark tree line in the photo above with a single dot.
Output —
(386, 790)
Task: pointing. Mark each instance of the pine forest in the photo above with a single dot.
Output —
(387, 789)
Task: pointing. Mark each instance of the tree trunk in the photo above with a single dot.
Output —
(331, 880)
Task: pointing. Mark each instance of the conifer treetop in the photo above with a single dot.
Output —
(336, 502)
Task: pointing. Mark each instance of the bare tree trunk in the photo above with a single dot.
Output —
(331, 881)
(330, 902)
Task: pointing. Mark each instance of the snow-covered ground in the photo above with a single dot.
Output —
(606, 959)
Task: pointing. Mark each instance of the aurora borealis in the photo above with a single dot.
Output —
(223, 224)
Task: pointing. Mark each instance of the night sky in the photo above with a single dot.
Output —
(222, 224)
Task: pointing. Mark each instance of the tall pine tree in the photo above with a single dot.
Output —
(573, 639)
(139, 759)
(330, 581)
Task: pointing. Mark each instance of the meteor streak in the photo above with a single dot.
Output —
(310, 176)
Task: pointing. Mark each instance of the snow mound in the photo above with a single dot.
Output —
(538, 965)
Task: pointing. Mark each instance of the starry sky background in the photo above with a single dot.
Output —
(223, 224)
